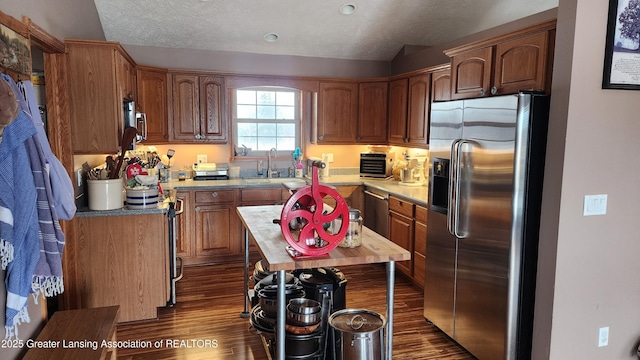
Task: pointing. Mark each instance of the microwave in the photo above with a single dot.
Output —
(376, 165)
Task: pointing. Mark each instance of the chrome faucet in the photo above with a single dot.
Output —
(270, 170)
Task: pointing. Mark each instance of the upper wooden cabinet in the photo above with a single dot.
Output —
(517, 61)
(441, 85)
(337, 113)
(199, 109)
(418, 114)
(409, 100)
(100, 77)
(152, 100)
(372, 112)
(398, 91)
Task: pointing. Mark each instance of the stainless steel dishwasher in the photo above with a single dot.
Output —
(376, 211)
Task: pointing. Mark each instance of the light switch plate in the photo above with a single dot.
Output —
(202, 158)
(595, 205)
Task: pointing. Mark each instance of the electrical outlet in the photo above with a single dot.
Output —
(603, 336)
(330, 157)
(202, 158)
(595, 205)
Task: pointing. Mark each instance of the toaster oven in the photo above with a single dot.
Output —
(376, 165)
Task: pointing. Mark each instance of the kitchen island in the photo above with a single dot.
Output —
(257, 222)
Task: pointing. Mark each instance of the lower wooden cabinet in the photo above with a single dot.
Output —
(122, 260)
(419, 244)
(408, 228)
(401, 229)
(401, 233)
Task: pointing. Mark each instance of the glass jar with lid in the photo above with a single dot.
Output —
(353, 238)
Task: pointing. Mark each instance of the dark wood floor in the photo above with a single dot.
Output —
(210, 302)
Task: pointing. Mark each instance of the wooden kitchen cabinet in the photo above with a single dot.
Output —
(419, 108)
(199, 109)
(441, 85)
(521, 60)
(372, 112)
(152, 100)
(337, 113)
(409, 106)
(398, 92)
(122, 260)
(419, 244)
(100, 77)
(215, 225)
(401, 229)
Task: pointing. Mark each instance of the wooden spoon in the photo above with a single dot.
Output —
(127, 138)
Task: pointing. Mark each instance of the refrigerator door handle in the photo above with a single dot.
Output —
(453, 215)
(454, 191)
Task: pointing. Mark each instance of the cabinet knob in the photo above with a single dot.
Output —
(483, 92)
(214, 194)
(197, 208)
(321, 137)
(197, 136)
(494, 90)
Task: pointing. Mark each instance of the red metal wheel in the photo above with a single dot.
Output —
(305, 224)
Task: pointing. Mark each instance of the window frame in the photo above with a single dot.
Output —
(298, 121)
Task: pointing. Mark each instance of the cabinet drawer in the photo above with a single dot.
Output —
(214, 197)
(401, 206)
(421, 214)
(268, 195)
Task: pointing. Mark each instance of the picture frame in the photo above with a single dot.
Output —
(15, 51)
(622, 50)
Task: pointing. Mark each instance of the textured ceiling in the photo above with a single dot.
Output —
(377, 29)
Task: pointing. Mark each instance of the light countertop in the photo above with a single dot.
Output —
(416, 194)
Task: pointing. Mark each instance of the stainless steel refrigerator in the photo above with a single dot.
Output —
(485, 186)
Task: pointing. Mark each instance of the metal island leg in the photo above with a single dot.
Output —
(390, 285)
(280, 329)
(245, 313)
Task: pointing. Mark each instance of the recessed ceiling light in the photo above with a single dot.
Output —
(270, 37)
(347, 9)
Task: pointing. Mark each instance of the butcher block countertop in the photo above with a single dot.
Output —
(268, 236)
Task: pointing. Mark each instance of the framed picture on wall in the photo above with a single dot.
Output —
(15, 52)
(622, 51)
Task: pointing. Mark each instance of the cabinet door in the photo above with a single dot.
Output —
(372, 113)
(398, 91)
(184, 227)
(94, 105)
(213, 126)
(186, 108)
(213, 231)
(441, 85)
(471, 73)
(521, 64)
(152, 100)
(337, 112)
(121, 260)
(419, 251)
(126, 77)
(418, 117)
(401, 233)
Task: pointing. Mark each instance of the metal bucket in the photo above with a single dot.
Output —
(362, 334)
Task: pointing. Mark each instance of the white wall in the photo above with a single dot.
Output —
(74, 19)
(593, 150)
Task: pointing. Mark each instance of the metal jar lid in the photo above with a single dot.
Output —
(356, 321)
(354, 214)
